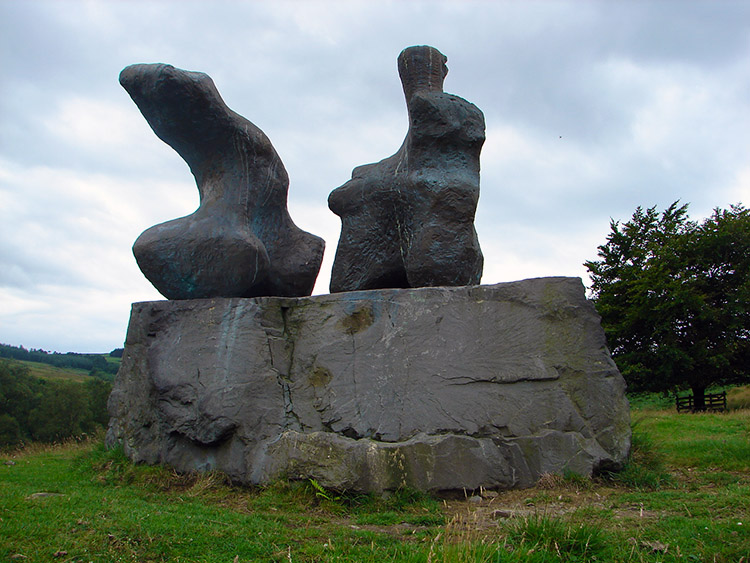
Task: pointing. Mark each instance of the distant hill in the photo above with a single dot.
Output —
(94, 364)
(47, 371)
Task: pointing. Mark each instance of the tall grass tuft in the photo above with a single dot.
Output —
(738, 398)
(645, 468)
(544, 538)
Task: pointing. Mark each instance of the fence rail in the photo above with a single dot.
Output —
(713, 402)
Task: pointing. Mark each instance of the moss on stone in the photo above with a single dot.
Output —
(320, 377)
(359, 320)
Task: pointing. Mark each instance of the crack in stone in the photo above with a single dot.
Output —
(283, 367)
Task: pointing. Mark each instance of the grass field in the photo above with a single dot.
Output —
(685, 496)
(112, 360)
(46, 371)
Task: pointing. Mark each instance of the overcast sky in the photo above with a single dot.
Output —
(592, 109)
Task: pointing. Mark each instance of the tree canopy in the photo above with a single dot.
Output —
(46, 410)
(674, 296)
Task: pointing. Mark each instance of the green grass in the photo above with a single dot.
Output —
(687, 498)
(645, 469)
(704, 441)
(111, 359)
(554, 539)
(105, 509)
(651, 401)
(46, 371)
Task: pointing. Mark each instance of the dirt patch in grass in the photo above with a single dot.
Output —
(480, 516)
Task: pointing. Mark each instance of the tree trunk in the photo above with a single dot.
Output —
(699, 398)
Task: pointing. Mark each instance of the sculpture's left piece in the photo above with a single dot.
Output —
(241, 241)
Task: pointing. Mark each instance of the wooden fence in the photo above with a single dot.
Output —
(714, 402)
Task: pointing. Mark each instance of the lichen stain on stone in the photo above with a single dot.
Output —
(320, 377)
(554, 306)
(358, 321)
(396, 470)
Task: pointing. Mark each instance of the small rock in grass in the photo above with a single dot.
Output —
(43, 495)
(656, 546)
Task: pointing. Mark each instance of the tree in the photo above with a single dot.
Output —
(10, 431)
(98, 393)
(63, 411)
(674, 296)
(46, 410)
(19, 394)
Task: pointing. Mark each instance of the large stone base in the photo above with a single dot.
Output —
(431, 388)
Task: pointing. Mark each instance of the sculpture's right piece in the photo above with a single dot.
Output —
(408, 220)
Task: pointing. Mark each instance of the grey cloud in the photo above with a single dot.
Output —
(320, 79)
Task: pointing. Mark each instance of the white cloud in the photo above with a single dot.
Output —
(66, 270)
(94, 124)
(64, 319)
(739, 190)
(319, 220)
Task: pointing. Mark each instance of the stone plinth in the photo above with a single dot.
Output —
(432, 388)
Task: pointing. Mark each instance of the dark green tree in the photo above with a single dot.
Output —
(10, 431)
(45, 410)
(674, 296)
(63, 412)
(19, 394)
(98, 393)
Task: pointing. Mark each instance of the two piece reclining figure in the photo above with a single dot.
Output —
(406, 221)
